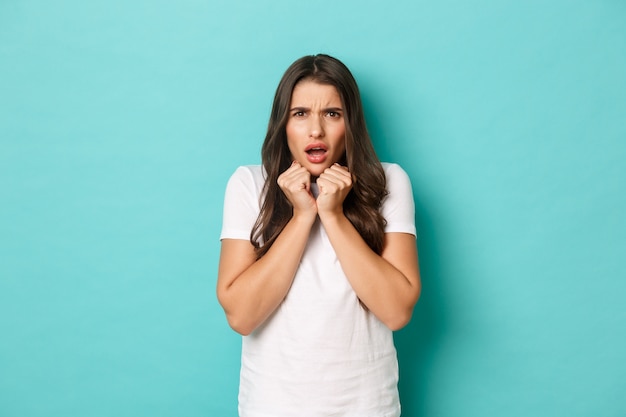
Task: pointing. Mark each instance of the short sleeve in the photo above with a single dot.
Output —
(241, 203)
(398, 207)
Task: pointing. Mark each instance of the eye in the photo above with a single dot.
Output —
(298, 113)
(333, 114)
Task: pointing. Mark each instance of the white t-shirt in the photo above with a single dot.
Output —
(321, 353)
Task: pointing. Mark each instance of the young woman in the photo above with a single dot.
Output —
(318, 262)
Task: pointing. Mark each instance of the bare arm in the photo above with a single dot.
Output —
(249, 290)
(388, 284)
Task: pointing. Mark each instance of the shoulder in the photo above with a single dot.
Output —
(248, 174)
(394, 172)
(249, 171)
(398, 207)
(398, 183)
(241, 202)
(247, 179)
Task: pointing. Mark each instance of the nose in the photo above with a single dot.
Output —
(316, 127)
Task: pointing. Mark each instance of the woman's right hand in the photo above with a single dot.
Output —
(295, 183)
(250, 288)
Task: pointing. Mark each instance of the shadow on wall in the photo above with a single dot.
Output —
(418, 343)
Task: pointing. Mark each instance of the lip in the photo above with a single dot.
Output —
(318, 157)
(318, 145)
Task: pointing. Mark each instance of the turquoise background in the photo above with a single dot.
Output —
(121, 121)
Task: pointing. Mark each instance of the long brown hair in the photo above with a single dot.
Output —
(362, 205)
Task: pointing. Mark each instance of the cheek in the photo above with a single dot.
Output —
(292, 145)
(340, 136)
(293, 131)
(290, 135)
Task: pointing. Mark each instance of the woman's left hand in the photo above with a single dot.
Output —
(334, 185)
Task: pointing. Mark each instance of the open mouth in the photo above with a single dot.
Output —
(316, 153)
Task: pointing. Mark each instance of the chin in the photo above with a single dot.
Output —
(317, 170)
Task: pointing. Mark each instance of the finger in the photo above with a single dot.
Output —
(337, 177)
(338, 166)
(295, 178)
(339, 170)
(292, 168)
(330, 186)
(344, 170)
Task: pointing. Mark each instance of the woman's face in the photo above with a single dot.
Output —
(316, 126)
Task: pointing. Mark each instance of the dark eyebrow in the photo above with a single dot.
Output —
(305, 109)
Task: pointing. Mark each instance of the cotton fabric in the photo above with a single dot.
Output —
(321, 353)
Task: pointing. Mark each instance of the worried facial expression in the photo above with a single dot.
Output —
(316, 126)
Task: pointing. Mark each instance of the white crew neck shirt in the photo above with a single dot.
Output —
(321, 353)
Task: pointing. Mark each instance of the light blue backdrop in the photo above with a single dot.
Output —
(120, 123)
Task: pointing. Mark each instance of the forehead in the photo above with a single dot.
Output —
(311, 92)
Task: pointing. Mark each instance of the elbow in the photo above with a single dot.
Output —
(237, 322)
(240, 322)
(401, 317)
(242, 327)
(398, 320)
